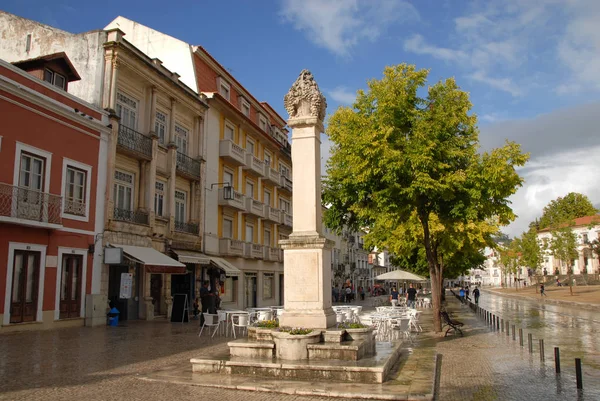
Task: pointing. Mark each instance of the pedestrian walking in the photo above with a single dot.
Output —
(461, 295)
(394, 297)
(467, 293)
(411, 296)
(542, 290)
(476, 295)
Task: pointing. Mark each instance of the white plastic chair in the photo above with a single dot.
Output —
(210, 320)
(264, 315)
(240, 320)
(222, 322)
(339, 319)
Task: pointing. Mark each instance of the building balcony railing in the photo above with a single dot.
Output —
(189, 228)
(134, 142)
(132, 216)
(229, 197)
(286, 183)
(247, 250)
(256, 251)
(188, 166)
(286, 219)
(272, 175)
(74, 207)
(30, 205)
(273, 254)
(232, 152)
(254, 165)
(273, 214)
(231, 247)
(255, 207)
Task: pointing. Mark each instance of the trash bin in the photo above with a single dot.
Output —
(113, 317)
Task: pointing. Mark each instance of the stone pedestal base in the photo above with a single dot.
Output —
(307, 270)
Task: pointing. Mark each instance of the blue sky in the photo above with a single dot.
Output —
(531, 66)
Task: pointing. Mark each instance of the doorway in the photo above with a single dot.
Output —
(156, 292)
(184, 283)
(251, 290)
(70, 286)
(281, 296)
(128, 307)
(24, 294)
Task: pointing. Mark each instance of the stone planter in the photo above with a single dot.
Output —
(260, 334)
(366, 334)
(294, 347)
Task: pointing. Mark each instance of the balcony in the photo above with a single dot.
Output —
(286, 183)
(29, 206)
(132, 216)
(286, 219)
(273, 214)
(134, 143)
(74, 207)
(273, 254)
(188, 228)
(232, 152)
(255, 207)
(231, 247)
(256, 251)
(229, 197)
(188, 167)
(272, 175)
(254, 165)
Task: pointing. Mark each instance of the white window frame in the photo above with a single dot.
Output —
(181, 201)
(230, 172)
(283, 202)
(180, 129)
(88, 185)
(54, 75)
(135, 109)
(165, 124)
(225, 218)
(266, 191)
(246, 232)
(243, 105)
(20, 148)
(70, 251)
(285, 170)
(263, 121)
(265, 231)
(270, 157)
(125, 184)
(232, 127)
(246, 188)
(221, 83)
(18, 246)
(157, 194)
(253, 142)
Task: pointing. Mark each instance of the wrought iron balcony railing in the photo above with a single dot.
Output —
(74, 207)
(27, 204)
(188, 166)
(190, 228)
(135, 142)
(132, 216)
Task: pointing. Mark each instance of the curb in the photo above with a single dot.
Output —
(593, 307)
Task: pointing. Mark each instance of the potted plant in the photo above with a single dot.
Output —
(359, 331)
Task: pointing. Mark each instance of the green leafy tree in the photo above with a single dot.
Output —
(595, 248)
(563, 210)
(408, 168)
(564, 247)
(530, 250)
(509, 259)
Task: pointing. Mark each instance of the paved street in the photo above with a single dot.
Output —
(108, 364)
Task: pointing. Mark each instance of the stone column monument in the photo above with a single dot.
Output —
(307, 253)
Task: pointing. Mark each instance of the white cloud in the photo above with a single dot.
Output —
(339, 25)
(502, 84)
(342, 95)
(417, 44)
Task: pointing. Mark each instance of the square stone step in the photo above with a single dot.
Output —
(346, 351)
(251, 349)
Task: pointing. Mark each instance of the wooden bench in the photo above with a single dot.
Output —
(453, 325)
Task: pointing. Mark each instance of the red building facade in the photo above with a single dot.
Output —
(51, 166)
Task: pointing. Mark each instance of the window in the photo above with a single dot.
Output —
(229, 132)
(228, 178)
(284, 205)
(75, 191)
(284, 170)
(127, 110)
(585, 238)
(181, 139)
(160, 127)
(123, 188)
(267, 237)
(55, 79)
(227, 228)
(180, 198)
(224, 88)
(267, 198)
(267, 158)
(249, 233)
(267, 285)
(159, 198)
(262, 123)
(246, 108)
(250, 146)
(32, 172)
(250, 189)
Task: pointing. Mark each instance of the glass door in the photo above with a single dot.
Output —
(70, 286)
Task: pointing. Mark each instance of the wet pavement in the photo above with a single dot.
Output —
(111, 363)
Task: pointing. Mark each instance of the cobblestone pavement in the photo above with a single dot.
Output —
(108, 364)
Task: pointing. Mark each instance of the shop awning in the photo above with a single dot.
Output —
(154, 261)
(228, 268)
(192, 257)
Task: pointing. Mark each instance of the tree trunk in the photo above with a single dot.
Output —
(434, 272)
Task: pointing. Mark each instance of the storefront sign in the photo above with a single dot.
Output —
(113, 256)
(126, 283)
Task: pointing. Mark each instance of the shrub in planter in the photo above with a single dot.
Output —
(268, 324)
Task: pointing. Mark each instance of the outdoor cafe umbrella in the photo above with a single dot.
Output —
(400, 275)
